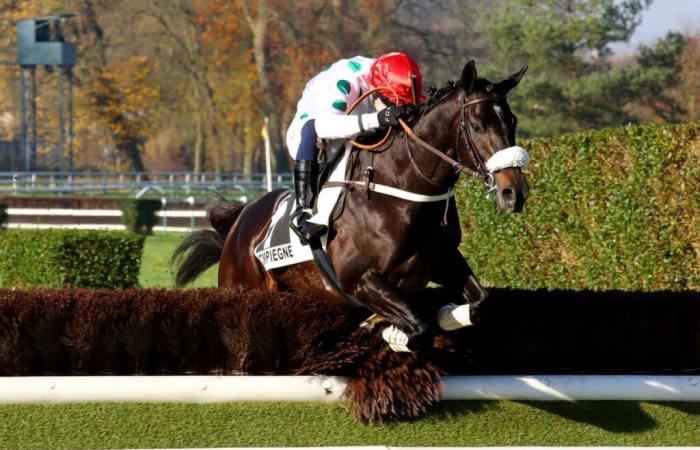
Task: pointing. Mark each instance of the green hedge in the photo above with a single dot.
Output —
(56, 258)
(139, 215)
(611, 209)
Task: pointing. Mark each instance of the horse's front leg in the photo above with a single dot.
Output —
(452, 271)
(383, 299)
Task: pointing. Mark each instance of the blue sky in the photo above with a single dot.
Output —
(666, 15)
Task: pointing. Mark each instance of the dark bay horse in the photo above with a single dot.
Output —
(384, 248)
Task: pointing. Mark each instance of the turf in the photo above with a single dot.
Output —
(284, 424)
(156, 270)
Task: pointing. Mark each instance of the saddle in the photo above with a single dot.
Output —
(280, 247)
(331, 150)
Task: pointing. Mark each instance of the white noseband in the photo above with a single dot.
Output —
(508, 157)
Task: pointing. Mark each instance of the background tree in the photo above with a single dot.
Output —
(571, 84)
(689, 90)
(185, 84)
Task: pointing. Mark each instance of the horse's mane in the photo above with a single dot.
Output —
(435, 95)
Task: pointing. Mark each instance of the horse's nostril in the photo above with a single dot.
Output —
(508, 195)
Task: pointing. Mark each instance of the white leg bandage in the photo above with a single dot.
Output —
(508, 157)
(397, 339)
(453, 317)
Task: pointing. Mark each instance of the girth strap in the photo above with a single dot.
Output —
(391, 191)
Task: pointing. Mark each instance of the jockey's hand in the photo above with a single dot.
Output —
(392, 113)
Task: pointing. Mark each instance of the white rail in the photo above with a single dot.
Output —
(97, 212)
(26, 218)
(574, 387)
(188, 389)
(211, 389)
(90, 226)
(76, 182)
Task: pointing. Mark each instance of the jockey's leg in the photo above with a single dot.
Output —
(452, 271)
(383, 299)
(305, 185)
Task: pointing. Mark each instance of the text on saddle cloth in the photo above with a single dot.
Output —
(281, 247)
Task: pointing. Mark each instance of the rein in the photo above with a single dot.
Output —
(373, 147)
(481, 173)
(456, 165)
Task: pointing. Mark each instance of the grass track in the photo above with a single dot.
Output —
(285, 424)
(155, 265)
(101, 426)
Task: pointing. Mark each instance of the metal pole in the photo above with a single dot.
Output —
(164, 202)
(32, 103)
(71, 119)
(24, 90)
(12, 149)
(190, 201)
(61, 123)
(268, 155)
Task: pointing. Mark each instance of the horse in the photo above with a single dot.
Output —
(385, 249)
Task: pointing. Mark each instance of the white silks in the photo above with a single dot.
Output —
(332, 126)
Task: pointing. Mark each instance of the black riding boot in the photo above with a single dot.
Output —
(305, 190)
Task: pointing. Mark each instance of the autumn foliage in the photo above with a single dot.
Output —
(186, 85)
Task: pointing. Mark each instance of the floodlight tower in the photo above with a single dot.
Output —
(40, 43)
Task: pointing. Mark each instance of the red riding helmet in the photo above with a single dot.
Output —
(394, 70)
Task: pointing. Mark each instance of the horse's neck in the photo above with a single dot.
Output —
(393, 166)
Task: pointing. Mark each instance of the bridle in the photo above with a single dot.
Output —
(465, 132)
(481, 173)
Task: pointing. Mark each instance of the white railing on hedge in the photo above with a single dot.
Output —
(209, 389)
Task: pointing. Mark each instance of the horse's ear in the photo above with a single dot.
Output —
(509, 83)
(469, 77)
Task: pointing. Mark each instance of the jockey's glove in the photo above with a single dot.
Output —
(392, 113)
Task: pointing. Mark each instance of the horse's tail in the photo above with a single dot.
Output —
(195, 254)
(202, 249)
(222, 214)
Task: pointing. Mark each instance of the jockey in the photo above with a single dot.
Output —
(321, 114)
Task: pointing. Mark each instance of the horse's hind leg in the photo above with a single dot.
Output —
(375, 292)
(238, 266)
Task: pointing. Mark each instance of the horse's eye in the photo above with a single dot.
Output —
(477, 128)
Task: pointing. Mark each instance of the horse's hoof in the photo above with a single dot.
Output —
(397, 339)
(453, 317)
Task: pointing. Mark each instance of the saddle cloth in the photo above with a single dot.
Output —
(281, 246)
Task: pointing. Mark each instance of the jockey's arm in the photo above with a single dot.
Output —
(332, 126)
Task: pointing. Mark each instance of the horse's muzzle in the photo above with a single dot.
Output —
(512, 190)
